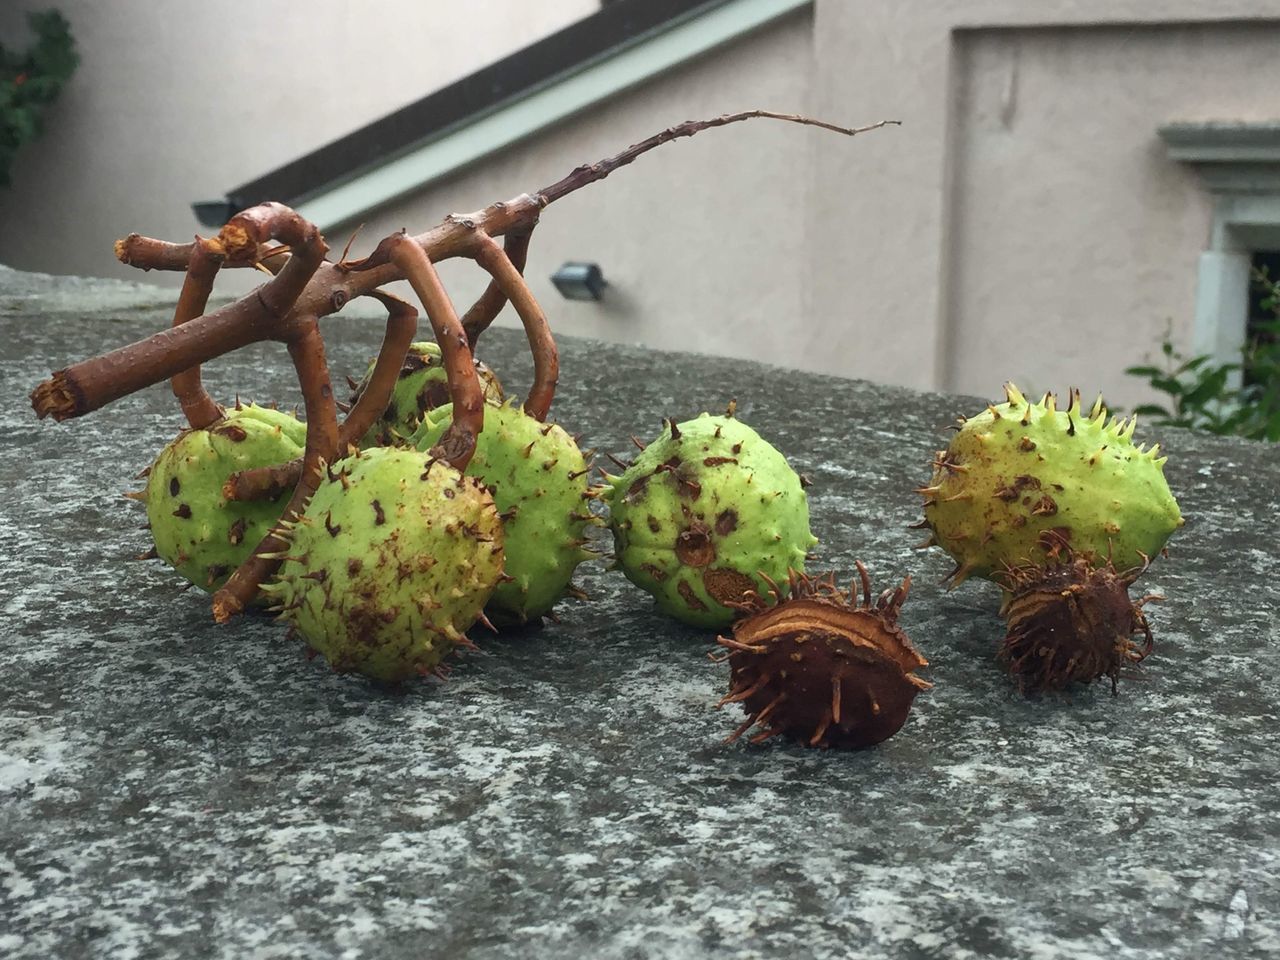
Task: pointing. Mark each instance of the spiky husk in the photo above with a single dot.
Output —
(707, 513)
(393, 559)
(197, 531)
(1023, 481)
(421, 386)
(1071, 623)
(538, 478)
(820, 667)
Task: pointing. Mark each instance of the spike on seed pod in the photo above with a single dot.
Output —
(822, 668)
(1072, 622)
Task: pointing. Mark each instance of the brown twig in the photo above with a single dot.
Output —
(486, 309)
(145, 253)
(267, 483)
(201, 410)
(262, 483)
(546, 359)
(306, 349)
(591, 172)
(402, 324)
(91, 384)
(305, 288)
(459, 441)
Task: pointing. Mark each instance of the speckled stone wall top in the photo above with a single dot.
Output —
(171, 788)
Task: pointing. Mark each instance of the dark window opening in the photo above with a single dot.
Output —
(1263, 324)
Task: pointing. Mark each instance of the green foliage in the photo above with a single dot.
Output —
(1202, 394)
(30, 81)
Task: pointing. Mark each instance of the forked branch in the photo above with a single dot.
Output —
(86, 386)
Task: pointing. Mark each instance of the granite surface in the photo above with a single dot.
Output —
(172, 788)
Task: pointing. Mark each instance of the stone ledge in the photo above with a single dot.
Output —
(175, 789)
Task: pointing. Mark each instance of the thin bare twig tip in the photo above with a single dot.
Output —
(591, 172)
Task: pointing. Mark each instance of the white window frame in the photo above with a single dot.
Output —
(1239, 163)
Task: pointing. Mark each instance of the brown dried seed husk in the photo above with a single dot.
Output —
(822, 669)
(1071, 623)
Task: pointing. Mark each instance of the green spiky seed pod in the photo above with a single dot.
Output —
(392, 561)
(197, 531)
(421, 386)
(538, 478)
(1023, 481)
(708, 512)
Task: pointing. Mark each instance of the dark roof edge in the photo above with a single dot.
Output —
(614, 27)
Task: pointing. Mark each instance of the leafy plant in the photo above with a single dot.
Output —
(1206, 395)
(32, 80)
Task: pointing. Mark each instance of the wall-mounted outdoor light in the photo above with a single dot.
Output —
(579, 281)
(213, 213)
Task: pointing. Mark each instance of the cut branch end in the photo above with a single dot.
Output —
(55, 398)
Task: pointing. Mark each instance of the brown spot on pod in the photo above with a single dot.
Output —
(717, 461)
(379, 518)
(690, 598)
(235, 535)
(232, 432)
(1045, 507)
(654, 571)
(174, 486)
(354, 566)
(820, 667)
(636, 490)
(694, 546)
(727, 522)
(728, 587)
(183, 512)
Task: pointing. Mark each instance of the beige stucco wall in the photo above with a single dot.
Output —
(1023, 222)
(942, 267)
(1075, 240)
(182, 101)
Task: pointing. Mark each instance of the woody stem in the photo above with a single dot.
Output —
(459, 441)
(483, 312)
(402, 324)
(306, 349)
(267, 483)
(199, 408)
(546, 359)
